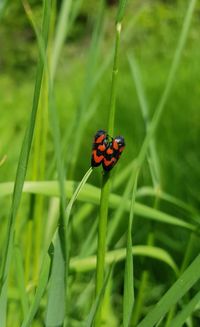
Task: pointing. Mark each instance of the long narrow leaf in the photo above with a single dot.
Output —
(91, 194)
(24, 156)
(41, 286)
(190, 276)
(89, 263)
(98, 301)
(188, 309)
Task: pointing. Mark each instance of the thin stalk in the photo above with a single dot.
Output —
(105, 190)
(114, 81)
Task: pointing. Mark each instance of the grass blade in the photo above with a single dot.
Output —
(56, 296)
(190, 276)
(41, 286)
(128, 296)
(91, 194)
(21, 280)
(61, 32)
(153, 155)
(188, 309)
(89, 263)
(24, 155)
(98, 301)
(77, 192)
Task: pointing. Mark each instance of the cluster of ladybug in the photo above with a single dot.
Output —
(106, 150)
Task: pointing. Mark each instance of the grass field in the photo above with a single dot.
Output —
(80, 247)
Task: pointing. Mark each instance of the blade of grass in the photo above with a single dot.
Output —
(3, 303)
(98, 301)
(77, 192)
(34, 235)
(153, 155)
(105, 190)
(21, 280)
(41, 286)
(149, 191)
(190, 276)
(154, 167)
(55, 312)
(188, 309)
(24, 156)
(128, 296)
(92, 194)
(61, 32)
(88, 263)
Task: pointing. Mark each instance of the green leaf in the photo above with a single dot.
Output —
(128, 297)
(21, 280)
(91, 194)
(24, 156)
(187, 310)
(42, 284)
(98, 301)
(89, 263)
(56, 297)
(190, 276)
(3, 303)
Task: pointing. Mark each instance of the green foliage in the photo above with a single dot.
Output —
(149, 208)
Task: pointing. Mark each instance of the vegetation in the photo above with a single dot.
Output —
(59, 217)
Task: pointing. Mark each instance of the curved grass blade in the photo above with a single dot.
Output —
(89, 263)
(190, 276)
(90, 193)
(149, 191)
(77, 192)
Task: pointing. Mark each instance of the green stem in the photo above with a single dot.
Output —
(101, 250)
(105, 190)
(114, 81)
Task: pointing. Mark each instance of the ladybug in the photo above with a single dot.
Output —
(99, 146)
(113, 153)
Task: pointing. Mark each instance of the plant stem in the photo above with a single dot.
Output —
(105, 190)
(114, 81)
(101, 250)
